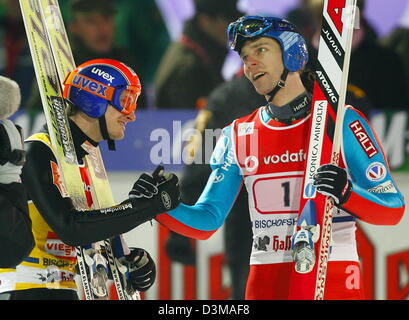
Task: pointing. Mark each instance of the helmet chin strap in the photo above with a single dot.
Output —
(105, 134)
(280, 84)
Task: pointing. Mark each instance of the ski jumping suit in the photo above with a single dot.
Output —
(58, 227)
(269, 157)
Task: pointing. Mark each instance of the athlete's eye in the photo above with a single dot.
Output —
(261, 50)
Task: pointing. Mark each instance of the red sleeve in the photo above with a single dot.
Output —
(178, 227)
(372, 212)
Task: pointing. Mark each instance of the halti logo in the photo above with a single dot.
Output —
(102, 74)
(376, 171)
(363, 138)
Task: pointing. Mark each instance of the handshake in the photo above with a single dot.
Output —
(162, 189)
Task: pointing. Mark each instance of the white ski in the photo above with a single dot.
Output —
(328, 108)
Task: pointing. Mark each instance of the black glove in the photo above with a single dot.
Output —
(162, 188)
(144, 187)
(142, 269)
(179, 249)
(332, 181)
(12, 155)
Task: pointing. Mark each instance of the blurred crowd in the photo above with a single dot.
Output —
(136, 32)
(186, 73)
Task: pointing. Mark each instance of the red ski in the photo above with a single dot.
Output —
(308, 281)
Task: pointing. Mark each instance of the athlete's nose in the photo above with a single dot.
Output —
(131, 117)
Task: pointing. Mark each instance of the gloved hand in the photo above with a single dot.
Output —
(180, 249)
(162, 188)
(142, 269)
(12, 155)
(332, 181)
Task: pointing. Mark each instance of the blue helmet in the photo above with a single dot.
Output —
(293, 46)
(97, 83)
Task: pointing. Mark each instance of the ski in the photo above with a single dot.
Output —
(100, 188)
(308, 276)
(53, 59)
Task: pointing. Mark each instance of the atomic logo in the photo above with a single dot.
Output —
(376, 171)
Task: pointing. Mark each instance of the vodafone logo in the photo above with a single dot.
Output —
(376, 171)
(286, 157)
(251, 163)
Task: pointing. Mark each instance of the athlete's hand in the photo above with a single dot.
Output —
(332, 181)
(145, 187)
(142, 269)
(162, 188)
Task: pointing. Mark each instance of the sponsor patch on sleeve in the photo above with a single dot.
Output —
(363, 138)
(376, 171)
(386, 187)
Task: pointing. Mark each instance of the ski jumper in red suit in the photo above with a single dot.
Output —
(269, 157)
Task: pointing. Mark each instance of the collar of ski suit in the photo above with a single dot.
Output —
(296, 109)
(79, 137)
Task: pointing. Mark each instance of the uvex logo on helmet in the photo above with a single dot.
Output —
(90, 85)
(102, 74)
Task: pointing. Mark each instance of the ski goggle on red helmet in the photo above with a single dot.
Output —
(96, 83)
(293, 46)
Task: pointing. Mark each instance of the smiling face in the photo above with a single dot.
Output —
(116, 122)
(263, 64)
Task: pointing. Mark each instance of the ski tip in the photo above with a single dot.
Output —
(308, 215)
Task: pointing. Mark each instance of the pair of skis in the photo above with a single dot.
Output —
(52, 60)
(328, 107)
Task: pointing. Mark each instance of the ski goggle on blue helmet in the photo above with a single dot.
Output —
(292, 43)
